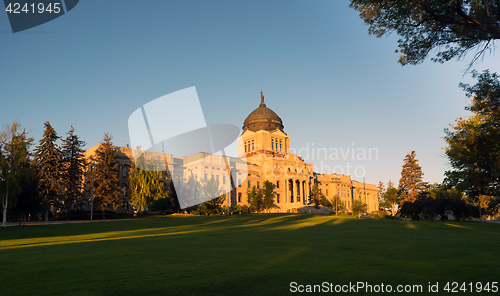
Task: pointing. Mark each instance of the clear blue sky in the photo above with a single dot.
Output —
(333, 85)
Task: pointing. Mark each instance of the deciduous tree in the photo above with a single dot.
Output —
(358, 207)
(391, 198)
(473, 143)
(14, 165)
(255, 200)
(268, 195)
(146, 182)
(212, 192)
(453, 28)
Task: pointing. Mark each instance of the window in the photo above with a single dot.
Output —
(272, 144)
(253, 147)
(327, 191)
(124, 171)
(217, 178)
(223, 179)
(245, 146)
(280, 146)
(277, 198)
(258, 185)
(277, 184)
(239, 182)
(239, 196)
(205, 178)
(249, 185)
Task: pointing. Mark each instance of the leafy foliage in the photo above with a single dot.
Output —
(453, 28)
(212, 192)
(358, 207)
(255, 200)
(391, 199)
(473, 143)
(268, 195)
(146, 185)
(14, 165)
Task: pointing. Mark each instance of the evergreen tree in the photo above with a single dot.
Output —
(107, 190)
(73, 169)
(380, 191)
(411, 184)
(316, 196)
(48, 159)
(268, 195)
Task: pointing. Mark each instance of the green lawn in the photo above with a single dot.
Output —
(258, 254)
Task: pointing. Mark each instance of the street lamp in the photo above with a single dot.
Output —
(92, 202)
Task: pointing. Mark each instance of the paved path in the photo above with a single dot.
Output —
(61, 222)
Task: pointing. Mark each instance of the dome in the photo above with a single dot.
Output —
(263, 118)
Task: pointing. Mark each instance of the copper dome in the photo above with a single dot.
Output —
(262, 118)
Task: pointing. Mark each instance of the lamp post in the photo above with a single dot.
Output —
(92, 202)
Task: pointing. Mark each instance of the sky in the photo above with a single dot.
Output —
(337, 89)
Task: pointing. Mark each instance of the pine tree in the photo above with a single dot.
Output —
(411, 184)
(107, 190)
(48, 160)
(316, 196)
(380, 191)
(73, 169)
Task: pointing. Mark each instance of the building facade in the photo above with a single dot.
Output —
(263, 155)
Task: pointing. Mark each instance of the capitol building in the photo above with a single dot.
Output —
(263, 155)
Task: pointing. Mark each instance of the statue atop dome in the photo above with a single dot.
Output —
(262, 118)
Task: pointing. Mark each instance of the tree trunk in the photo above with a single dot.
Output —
(68, 211)
(5, 204)
(46, 215)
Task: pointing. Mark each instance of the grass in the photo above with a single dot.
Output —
(258, 254)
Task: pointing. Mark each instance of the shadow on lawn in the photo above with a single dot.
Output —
(155, 227)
